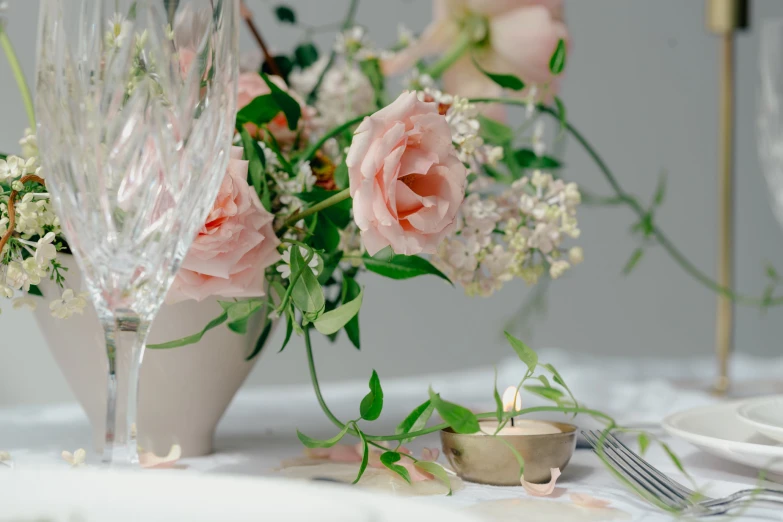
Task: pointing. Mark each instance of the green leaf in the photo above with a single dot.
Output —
(261, 339)
(372, 70)
(558, 380)
(365, 454)
(285, 14)
(306, 54)
(239, 312)
(558, 60)
(289, 106)
(561, 113)
(524, 352)
(401, 267)
(674, 458)
(351, 290)
(289, 329)
(499, 410)
(461, 419)
(256, 169)
(644, 443)
(307, 294)
(544, 380)
(372, 403)
(507, 81)
(494, 132)
(436, 470)
(35, 290)
(315, 443)
(259, 111)
(527, 159)
(633, 261)
(326, 235)
(331, 262)
(416, 420)
(284, 64)
(552, 394)
(389, 459)
(341, 176)
(334, 320)
(339, 213)
(660, 191)
(3, 156)
(192, 339)
(771, 272)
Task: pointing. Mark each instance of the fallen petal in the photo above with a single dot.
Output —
(4, 456)
(149, 460)
(542, 490)
(430, 454)
(588, 501)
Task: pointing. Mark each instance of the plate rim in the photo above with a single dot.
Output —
(670, 426)
(743, 414)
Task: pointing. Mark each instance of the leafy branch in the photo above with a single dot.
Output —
(646, 223)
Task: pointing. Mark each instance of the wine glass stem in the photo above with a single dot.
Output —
(126, 334)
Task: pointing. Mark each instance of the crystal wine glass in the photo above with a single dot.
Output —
(136, 103)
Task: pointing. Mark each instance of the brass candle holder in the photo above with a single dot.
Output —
(487, 459)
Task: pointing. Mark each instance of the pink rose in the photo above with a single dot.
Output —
(233, 248)
(522, 35)
(251, 86)
(406, 181)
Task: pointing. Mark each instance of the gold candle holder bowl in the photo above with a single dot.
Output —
(486, 459)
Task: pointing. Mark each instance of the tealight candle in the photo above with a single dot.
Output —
(485, 456)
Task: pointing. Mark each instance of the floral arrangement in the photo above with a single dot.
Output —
(333, 175)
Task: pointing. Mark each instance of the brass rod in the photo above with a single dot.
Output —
(725, 314)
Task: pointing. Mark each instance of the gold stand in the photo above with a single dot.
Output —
(724, 17)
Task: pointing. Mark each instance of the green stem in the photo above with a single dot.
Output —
(310, 152)
(21, 82)
(347, 24)
(461, 44)
(309, 211)
(628, 200)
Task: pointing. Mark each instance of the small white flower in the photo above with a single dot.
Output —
(76, 458)
(558, 268)
(45, 251)
(68, 304)
(576, 255)
(285, 266)
(29, 144)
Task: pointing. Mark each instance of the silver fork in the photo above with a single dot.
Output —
(661, 489)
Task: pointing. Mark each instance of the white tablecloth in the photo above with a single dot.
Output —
(258, 431)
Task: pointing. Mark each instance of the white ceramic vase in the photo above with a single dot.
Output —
(183, 392)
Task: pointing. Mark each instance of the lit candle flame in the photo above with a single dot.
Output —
(511, 399)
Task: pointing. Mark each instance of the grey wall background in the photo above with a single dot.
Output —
(642, 85)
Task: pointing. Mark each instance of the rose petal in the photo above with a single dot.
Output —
(542, 490)
(431, 454)
(149, 460)
(588, 501)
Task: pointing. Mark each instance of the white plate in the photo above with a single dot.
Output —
(158, 496)
(717, 429)
(764, 414)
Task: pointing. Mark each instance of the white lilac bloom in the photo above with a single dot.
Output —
(69, 304)
(285, 266)
(45, 251)
(29, 144)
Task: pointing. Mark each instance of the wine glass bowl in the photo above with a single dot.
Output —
(136, 101)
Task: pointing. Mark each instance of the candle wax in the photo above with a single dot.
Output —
(521, 427)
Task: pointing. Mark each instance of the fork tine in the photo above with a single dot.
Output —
(646, 481)
(682, 490)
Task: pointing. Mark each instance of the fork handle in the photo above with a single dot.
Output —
(773, 496)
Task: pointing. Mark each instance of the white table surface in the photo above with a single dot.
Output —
(258, 431)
